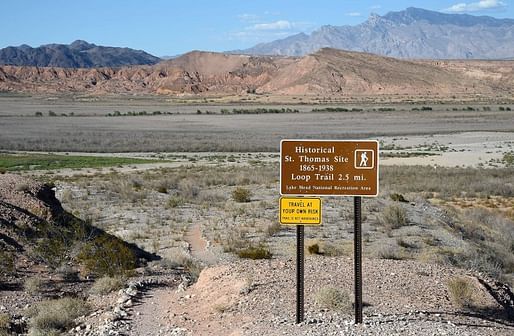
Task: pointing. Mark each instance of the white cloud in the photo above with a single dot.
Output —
(277, 25)
(375, 7)
(250, 18)
(475, 6)
(353, 14)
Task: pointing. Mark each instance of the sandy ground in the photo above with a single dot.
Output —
(468, 149)
(463, 149)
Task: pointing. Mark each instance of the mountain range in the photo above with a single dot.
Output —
(328, 72)
(79, 54)
(411, 33)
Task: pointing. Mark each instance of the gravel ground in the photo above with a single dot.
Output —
(258, 298)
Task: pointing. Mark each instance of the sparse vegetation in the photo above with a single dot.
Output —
(390, 252)
(5, 323)
(255, 251)
(107, 256)
(394, 216)
(461, 292)
(241, 195)
(107, 284)
(12, 162)
(313, 248)
(7, 262)
(54, 316)
(333, 299)
(508, 159)
(33, 285)
(398, 198)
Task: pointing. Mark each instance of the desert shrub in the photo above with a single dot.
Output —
(68, 273)
(508, 159)
(326, 249)
(313, 249)
(235, 241)
(394, 216)
(241, 195)
(333, 299)
(33, 285)
(273, 228)
(193, 267)
(175, 201)
(55, 315)
(398, 198)
(162, 189)
(3, 170)
(5, 323)
(405, 244)
(7, 264)
(461, 292)
(259, 251)
(107, 284)
(107, 256)
(51, 250)
(22, 187)
(332, 250)
(390, 252)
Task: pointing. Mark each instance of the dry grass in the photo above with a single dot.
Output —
(55, 315)
(105, 285)
(393, 217)
(461, 292)
(333, 299)
(33, 285)
(241, 195)
(255, 251)
(5, 323)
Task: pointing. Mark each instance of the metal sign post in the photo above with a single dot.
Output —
(299, 272)
(328, 168)
(357, 245)
(300, 211)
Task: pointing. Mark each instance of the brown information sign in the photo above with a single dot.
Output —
(329, 167)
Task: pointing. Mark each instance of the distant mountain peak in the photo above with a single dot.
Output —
(78, 54)
(410, 33)
(81, 45)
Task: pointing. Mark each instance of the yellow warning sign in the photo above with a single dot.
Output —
(300, 210)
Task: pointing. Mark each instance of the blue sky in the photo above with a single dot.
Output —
(174, 27)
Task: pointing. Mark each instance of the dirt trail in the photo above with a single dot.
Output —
(199, 245)
(258, 298)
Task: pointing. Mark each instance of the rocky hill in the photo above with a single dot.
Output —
(36, 230)
(78, 54)
(411, 33)
(326, 72)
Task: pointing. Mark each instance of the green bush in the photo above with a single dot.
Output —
(241, 195)
(55, 315)
(333, 299)
(107, 255)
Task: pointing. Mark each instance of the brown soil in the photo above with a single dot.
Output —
(327, 72)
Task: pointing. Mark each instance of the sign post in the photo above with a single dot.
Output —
(300, 211)
(300, 248)
(330, 168)
(357, 246)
